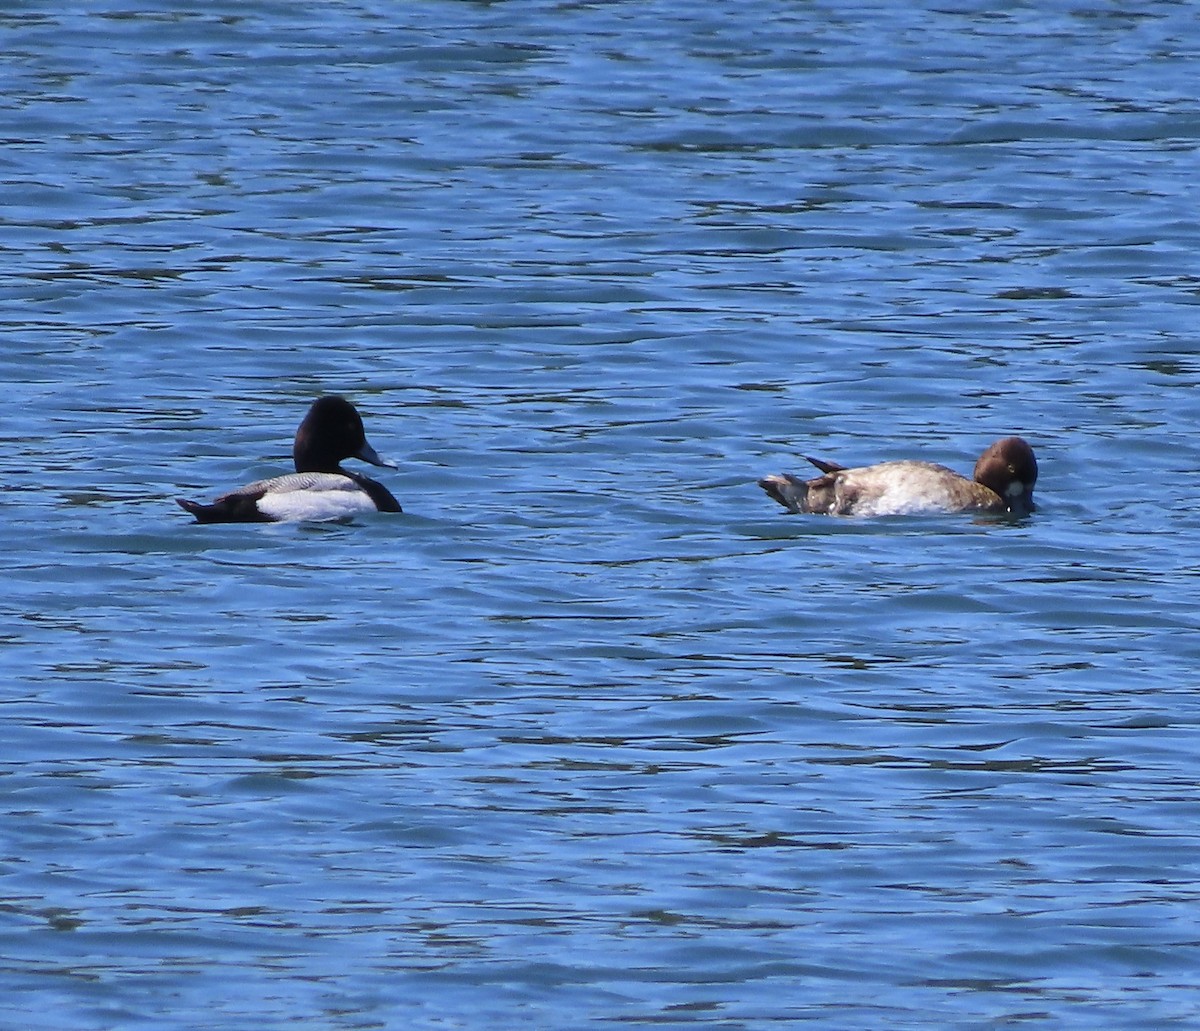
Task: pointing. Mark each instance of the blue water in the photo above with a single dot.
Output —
(595, 734)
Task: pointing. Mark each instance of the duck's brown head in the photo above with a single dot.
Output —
(1009, 468)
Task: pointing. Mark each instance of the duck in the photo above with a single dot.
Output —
(319, 489)
(1003, 483)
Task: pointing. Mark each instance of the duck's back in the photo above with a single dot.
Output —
(909, 488)
(889, 488)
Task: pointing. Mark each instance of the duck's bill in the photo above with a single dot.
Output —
(1022, 504)
(369, 454)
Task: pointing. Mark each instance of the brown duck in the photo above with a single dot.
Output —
(1004, 479)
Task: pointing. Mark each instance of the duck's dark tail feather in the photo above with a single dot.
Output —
(194, 507)
(824, 465)
(233, 508)
(789, 491)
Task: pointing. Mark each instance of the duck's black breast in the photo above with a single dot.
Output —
(377, 492)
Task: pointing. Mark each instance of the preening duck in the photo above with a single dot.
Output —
(1004, 479)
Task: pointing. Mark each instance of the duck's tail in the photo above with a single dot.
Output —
(233, 508)
(789, 491)
(824, 464)
(203, 513)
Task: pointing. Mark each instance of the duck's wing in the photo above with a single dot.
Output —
(293, 482)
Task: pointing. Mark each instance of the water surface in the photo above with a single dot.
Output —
(594, 733)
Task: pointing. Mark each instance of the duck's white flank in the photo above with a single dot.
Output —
(314, 496)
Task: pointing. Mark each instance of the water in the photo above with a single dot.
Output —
(594, 734)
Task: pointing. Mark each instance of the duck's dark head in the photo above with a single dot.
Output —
(331, 431)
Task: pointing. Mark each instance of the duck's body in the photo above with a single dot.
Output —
(319, 489)
(1004, 478)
